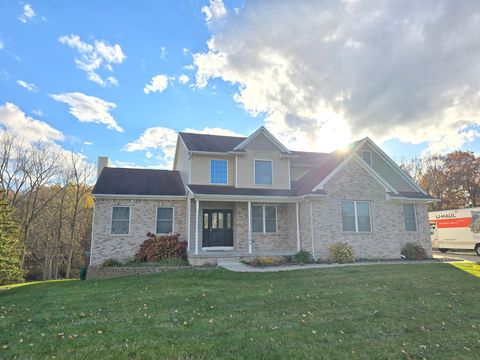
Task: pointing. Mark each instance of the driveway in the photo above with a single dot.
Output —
(456, 255)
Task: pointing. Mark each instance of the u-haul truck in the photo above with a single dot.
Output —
(455, 229)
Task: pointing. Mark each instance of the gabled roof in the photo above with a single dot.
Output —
(210, 143)
(124, 181)
(268, 134)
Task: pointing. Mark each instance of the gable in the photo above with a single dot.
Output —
(266, 139)
(387, 171)
(261, 143)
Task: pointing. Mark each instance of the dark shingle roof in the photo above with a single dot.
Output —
(411, 195)
(122, 181)
(230, 190)
(211, 143)
(308, 158)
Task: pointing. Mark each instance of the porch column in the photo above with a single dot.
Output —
(299, 246)
(189, 211)
(250, 227)
(196, 226)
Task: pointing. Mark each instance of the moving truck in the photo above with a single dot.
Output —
(455, 229)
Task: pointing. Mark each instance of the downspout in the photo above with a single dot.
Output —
(311, 224)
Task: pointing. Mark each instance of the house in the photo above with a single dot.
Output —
(245, 197)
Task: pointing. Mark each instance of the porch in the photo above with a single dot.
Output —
(231, 228)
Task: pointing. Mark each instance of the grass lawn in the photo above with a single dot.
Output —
(365, 312)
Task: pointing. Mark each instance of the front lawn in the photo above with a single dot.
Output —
(364, 312)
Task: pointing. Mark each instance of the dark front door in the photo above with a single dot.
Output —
(217, 228)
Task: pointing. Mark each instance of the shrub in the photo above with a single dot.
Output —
(111, 263)
(302, 257)
(341, 253)
(413, 251)
(266, 261)
(157, 248)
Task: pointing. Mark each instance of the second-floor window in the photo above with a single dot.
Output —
(367, 156)
(218, 171)
(263, 172)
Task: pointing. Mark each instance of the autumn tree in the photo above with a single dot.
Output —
(11, 248)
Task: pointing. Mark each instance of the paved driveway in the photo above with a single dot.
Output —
(457, 255)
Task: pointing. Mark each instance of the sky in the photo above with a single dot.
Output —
(120, 79)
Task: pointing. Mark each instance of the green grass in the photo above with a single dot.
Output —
(364, 312)
(468, 266)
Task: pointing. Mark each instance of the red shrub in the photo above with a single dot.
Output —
(157, 248)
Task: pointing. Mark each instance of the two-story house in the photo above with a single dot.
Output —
(243, 197)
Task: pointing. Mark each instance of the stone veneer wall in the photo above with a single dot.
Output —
(98, 272)
(142, 220)
(388, 235)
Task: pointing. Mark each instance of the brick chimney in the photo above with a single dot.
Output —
(103, 161)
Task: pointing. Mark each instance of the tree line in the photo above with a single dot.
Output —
(46, 192)
(453, 178)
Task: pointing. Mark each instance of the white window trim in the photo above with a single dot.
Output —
(211, 183)
(173, 219)
(371, 158)
(416, 220)
(129, 219)
(255, 171)
(264, 219)
(356, 217)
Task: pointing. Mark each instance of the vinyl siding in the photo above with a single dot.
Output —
(201, 169)
(263, 143)
(183, 163)
(389, 174)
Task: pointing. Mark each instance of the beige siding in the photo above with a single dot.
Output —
(245, 168)
(386, 171)
(201, 169)
(182, 161)
(388, 231)
(263, 143)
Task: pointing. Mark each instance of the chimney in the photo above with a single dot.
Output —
(103, 161)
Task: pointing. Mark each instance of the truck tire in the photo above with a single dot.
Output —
(477, 249)
(443, 250)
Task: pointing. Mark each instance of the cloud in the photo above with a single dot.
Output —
(87, 143)
(214, 11)
(28, 86)
(28, 14)
(94, 56)
(164, 140)
(185, 51)
(26, 128)
(157, 84)
(89, 109)
(394, 69)
(37, 112)
(163, 53)
(183, 79)
(1, 44)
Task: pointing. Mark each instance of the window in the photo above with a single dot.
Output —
(367, 157)
(410, 217)
(164, 220)
(264, 219)
(218, 171)
(356, 216)
(263, 172)
(120, 220)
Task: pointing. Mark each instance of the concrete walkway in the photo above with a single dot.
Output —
(237, 266)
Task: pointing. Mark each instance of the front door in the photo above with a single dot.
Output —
(217, 228)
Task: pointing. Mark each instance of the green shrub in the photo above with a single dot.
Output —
(157, 248)
(303, 257)
(341, 253)
(413, 251)
(111, 263)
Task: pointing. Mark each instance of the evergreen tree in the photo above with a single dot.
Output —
(10, 245)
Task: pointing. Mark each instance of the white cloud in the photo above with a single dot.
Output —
(89, 109)
(163, 53)
(26, 128)
(214, 11)
(164, 140)
(157, 84)
(394, 69)
(37, 112)
(88, 143)
(1, 44)
(28, 13)
(183, 79)
(185, 51)
(28, 86)
(94, 56)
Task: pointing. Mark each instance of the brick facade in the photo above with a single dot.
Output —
(142, 220)
(388, 231)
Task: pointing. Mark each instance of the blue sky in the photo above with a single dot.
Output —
(40, 43)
